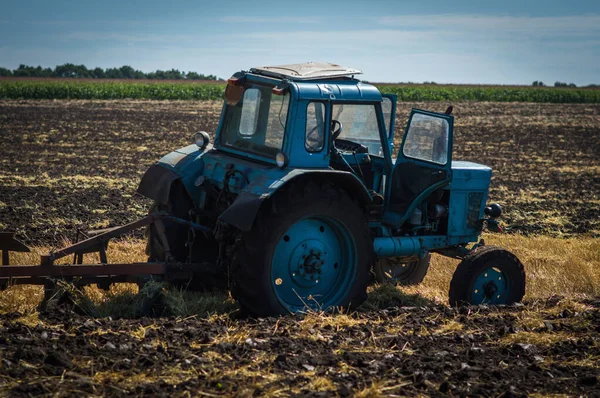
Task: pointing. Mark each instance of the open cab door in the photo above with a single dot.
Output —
(423, 165)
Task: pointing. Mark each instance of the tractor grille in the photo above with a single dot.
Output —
(473, 209)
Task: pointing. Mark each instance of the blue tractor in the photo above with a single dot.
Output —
(305, 199)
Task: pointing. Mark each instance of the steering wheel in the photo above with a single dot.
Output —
(335, 133)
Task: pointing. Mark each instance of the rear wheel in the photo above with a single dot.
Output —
(488, 275)
(394, 270)
(309, 248)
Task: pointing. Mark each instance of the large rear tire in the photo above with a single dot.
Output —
(488, 275)
(309, 249)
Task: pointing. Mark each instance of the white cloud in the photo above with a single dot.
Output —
(556, 26)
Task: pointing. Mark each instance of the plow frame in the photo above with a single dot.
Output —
(104, 273)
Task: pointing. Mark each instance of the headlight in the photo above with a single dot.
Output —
(201, 139)
(281, 159)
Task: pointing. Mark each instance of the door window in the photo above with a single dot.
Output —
(427, 139)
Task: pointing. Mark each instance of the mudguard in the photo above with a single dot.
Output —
(183, 163)
(244, 209)
(156, 183)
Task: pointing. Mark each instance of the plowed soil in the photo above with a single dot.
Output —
(407, 351)
(66, 165)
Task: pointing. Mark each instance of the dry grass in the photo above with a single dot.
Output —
(554, 266)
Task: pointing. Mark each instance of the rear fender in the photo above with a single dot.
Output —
(185, 164)
(242, 213)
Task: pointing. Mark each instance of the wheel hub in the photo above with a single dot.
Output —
(310, 268)
(490, 289)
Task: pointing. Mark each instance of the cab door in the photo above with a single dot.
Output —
(423, 164)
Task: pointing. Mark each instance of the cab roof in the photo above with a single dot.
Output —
(307, 71)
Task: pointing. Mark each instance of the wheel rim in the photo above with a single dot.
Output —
(314, 264)
(491, 287)
(397, 271)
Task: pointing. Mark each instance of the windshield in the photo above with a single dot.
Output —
(360, 125)
(256, 123)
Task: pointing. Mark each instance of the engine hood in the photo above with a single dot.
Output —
(469, 175)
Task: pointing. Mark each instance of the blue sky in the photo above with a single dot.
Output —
(503, 42)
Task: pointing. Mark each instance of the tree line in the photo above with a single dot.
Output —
(538, 83)
(81, 71)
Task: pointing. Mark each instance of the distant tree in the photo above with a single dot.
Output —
(71, 70)
(23, 71)
(199, 76)
(113, 73)
(98, 73)
(561, 84)
(127, 72)
(194, 76)
(30, 71)
(5, 72)
(174, 74)
(538, 83)
(155, 75)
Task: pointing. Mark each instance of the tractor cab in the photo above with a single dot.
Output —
(310, 116)
(318, 116)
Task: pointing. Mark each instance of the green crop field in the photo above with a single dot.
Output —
(172, 90)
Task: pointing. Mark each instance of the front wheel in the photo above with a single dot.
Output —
(310, 248)
(488, 275)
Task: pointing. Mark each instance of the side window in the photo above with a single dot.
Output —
(250, 108)
(427, 139)
(315, 127)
